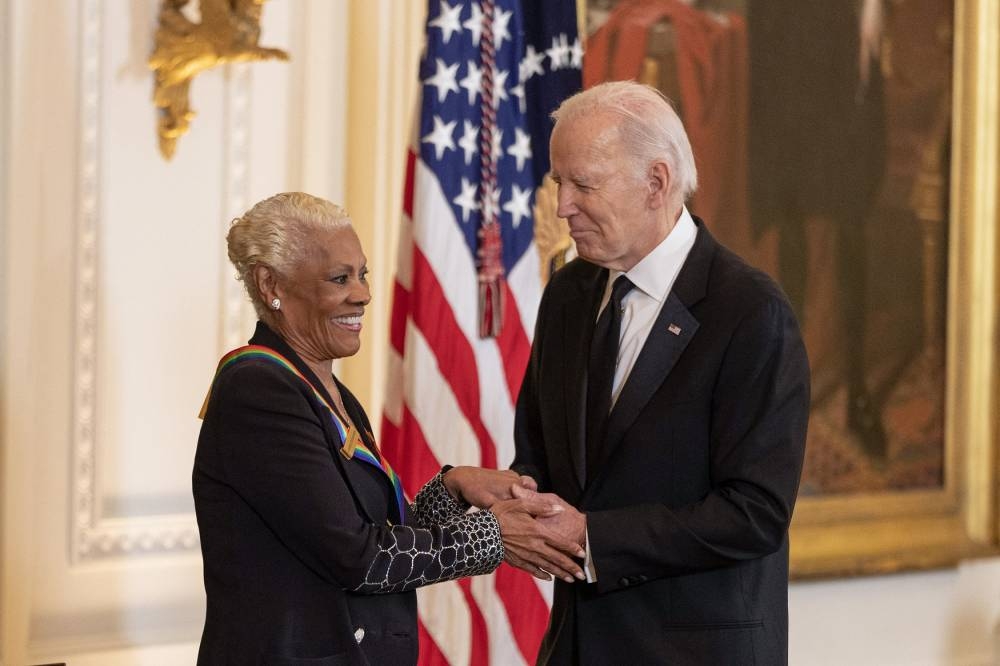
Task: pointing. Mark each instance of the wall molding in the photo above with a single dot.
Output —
(94, 537)
(236, 199)
(58, 635)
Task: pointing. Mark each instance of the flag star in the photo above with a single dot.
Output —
(441, 137)
(443, 79)
(500, 30)
(447, 20)
(559, 53)
(467, 199)
(521, 148)
(500, 88)
(518, 92)
(531, 64)
(474, 24)
(469, 141)
(491, 203)
(473, 81)
(519, 204)
(497, 146)
(576, 53)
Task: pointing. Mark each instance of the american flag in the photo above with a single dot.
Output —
(451, 392)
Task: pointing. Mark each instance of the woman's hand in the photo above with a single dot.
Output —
(532, 546)
(482, 487)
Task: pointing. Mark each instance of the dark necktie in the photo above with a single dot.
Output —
(601, 371)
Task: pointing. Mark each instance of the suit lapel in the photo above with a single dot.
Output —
(673, 329)
(265, 336)
(578, 322)
(357, 414)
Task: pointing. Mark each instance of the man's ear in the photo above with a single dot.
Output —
(658, 182)
(267, 283)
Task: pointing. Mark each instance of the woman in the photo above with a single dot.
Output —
(311, 552)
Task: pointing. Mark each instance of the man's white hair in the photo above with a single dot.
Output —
(649, 128)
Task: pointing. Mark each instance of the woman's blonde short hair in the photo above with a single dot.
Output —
(277, 233)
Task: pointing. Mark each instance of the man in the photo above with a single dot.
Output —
(681, 461)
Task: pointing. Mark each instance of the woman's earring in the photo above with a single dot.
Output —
(275, 303)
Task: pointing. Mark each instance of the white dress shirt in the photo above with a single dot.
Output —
(653, 277)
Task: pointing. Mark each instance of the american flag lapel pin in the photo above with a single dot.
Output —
(675, 329)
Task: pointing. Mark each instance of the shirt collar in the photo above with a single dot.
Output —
(655, 273)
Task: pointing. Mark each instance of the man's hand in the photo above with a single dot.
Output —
(567, 523)
(482, 487)
(532, 546)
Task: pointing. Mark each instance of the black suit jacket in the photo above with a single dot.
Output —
(299, 558)
(689, 506)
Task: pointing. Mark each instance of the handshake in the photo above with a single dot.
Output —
(542, 534)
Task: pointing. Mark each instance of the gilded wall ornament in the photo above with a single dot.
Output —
(555, 246)
(228, 33)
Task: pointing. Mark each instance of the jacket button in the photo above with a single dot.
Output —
(359, 635)
(624, 581)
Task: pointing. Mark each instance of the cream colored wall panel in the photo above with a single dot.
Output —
(155, 303)
(318, 98)
(270, 121)
(936, 618)
(160, 655)
(123, 303)
(38, 322)
(257, 126)
(144, 248)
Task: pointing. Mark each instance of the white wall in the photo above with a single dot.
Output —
(117, 300)
(914, 619)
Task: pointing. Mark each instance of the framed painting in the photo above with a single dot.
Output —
(849, 148)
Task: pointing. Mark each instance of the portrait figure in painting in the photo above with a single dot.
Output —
(821, 131)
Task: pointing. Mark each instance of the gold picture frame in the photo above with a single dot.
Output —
(894, 531)
(848, 531)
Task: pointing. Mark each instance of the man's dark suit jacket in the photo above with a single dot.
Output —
(688, 506)
(289, 527)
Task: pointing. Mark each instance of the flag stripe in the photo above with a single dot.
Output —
(430, 653)
(504, 648)
(424, 464)
(397, 320)
(408, 198)
(445, 616)
(456, 358)
(438, 411)
(441, 252)
(480, 654)
(517, 590)
(514, 345)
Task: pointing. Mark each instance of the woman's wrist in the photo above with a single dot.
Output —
(449, 479)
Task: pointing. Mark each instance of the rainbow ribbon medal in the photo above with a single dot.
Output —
(353, 445)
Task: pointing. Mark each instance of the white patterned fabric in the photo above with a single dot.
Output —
(448, 544)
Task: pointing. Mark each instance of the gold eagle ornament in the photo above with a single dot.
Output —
(228, 33)
(555, 246)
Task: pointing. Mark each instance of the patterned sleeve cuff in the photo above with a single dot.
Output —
(434, 505)
(483, 530)
(468, 545)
